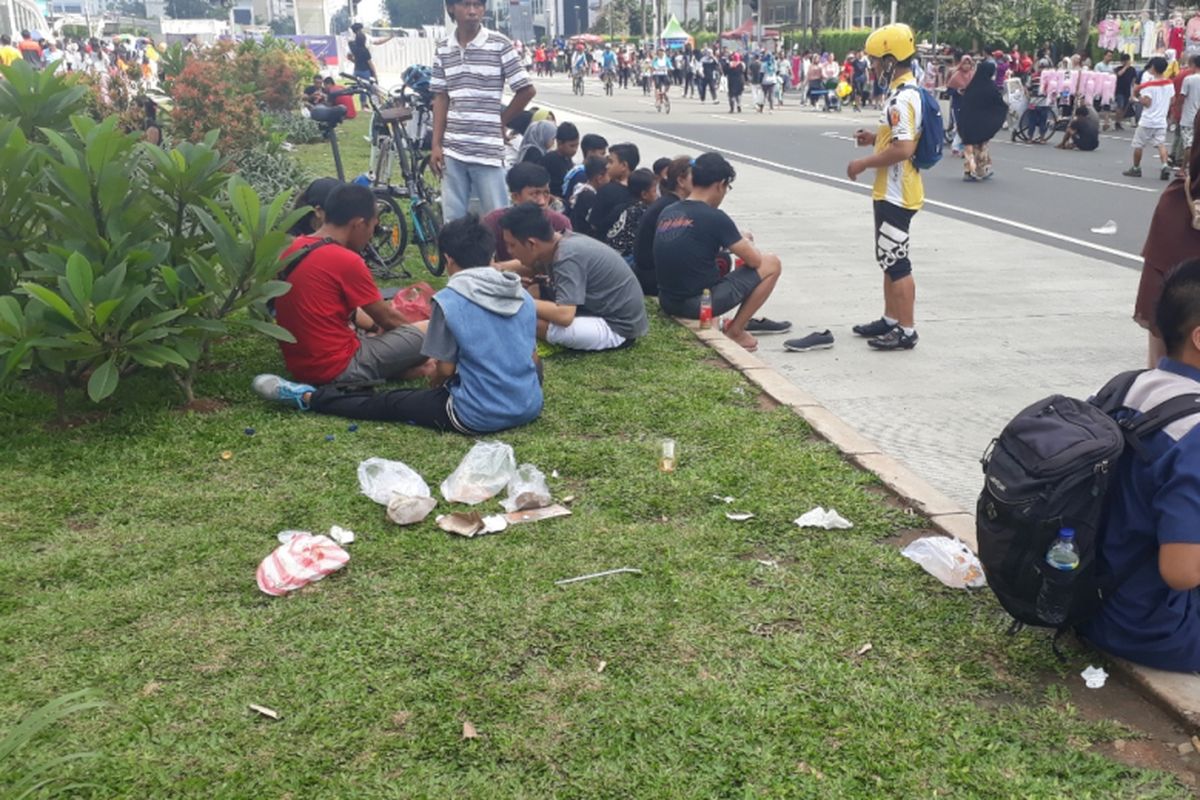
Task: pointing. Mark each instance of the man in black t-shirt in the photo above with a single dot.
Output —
(558, 162)
(687, 241)
(614, 197)
(1083, 133)
(1126, 75)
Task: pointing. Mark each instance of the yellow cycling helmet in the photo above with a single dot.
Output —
(894, 40)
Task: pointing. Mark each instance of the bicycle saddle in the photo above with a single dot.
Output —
(328, 115)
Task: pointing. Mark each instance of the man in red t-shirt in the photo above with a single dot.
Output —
(346, 100)
(329, 285)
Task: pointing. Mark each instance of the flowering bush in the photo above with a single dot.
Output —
(205, 98)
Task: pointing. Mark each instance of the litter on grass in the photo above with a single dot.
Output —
(820, 518)
(1094, 677)
(381, 480)
(537, 514)
(1107, 229)
(405, 509)
(486, 469)
(527, 489)
(605, 574)
(721, 499)
(304, 559)
(469, 731)
(948, 560)
(269, 713)
(738, 516)
(341, 535)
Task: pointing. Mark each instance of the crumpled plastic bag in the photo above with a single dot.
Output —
(1094, 677)
(406, 509)
(527, 489)
(948, 560)
(304, 559)
(484, 471)
(820, 518)
(381, 480)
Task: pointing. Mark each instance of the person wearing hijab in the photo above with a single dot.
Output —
(537, 141)
(735, 82)
(1174, 237)
(957, 83)
(982, 114)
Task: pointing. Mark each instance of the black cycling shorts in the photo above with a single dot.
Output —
(891, 239)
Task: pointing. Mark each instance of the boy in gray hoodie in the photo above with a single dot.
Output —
(483, 335)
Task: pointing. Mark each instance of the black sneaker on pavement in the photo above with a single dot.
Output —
(1165, 174)
(895, 339)
(762, 325)
(1133, 172)
(872, 329)
(822, 340)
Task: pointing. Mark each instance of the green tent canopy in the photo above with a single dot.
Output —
(673, 34)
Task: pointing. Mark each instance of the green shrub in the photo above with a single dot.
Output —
(117, 255)
(293, 127)
(270, 170)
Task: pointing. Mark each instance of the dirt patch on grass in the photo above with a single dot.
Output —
(716, 361)
(906, 536)
(80, 524)
(777, 627)
(203, 405)
(766, 402)
(77, 421)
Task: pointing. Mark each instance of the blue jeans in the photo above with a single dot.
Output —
(463, 180)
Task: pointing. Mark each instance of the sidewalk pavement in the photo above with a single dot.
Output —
(1003, 321)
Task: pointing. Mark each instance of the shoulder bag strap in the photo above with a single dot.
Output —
(293, 262)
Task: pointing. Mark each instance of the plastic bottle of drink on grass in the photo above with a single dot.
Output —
(706, 311)
(1054, 598)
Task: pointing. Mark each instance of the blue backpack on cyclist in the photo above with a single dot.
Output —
(933, 131)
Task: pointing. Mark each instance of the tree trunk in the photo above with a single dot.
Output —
(643, 30)
(818, 18)
(1086, 18)
(720, 19)
(685, 14)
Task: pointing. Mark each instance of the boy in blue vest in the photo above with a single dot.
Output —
(482, 335)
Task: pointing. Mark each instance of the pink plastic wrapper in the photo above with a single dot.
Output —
(304, 559)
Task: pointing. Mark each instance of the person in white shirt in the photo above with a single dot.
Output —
(1191, 106)
(1155, 96)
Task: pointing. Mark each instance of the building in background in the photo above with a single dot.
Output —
(19, 15)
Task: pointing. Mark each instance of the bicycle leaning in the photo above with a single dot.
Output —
(420, 186)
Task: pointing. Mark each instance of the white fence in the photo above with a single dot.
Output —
(392, 58)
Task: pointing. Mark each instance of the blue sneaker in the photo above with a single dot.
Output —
(273, 387)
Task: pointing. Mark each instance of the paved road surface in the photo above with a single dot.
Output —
(1056, 193)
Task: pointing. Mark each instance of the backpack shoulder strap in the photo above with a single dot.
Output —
(1111, 397)
(1163, 414)
(299, 256)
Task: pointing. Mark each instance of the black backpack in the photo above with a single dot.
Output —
(1051, 468)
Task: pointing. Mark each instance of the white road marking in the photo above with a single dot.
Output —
(728, 118)
(1011, 223)
(835, 135)
(1090, 180)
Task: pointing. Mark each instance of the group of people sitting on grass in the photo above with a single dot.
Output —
(569, 263)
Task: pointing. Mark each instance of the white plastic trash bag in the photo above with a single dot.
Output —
(820, 518)
(527, 489)
(948, 560)
(381, 480)
(484, 471)
(303, 559)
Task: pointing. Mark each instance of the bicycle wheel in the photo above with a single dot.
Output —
(1027, 128)
(667, 104)
(426, 224)
(391, 236)
(1051, 126)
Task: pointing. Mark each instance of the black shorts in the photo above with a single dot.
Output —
(891, 239)
(727, 294)
(662, 81)
(428, 408)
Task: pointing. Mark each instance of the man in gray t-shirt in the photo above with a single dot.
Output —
(1190, 89)
(590, 298)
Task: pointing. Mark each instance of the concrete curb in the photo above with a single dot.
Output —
(1177, 693)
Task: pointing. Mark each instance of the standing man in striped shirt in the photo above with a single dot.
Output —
(470, 70)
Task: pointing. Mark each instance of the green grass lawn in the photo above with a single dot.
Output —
(129, 559)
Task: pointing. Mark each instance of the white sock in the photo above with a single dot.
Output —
(908, 331)
(889, 320)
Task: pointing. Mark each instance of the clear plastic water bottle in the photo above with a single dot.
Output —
(1054, 598)
(706, 311)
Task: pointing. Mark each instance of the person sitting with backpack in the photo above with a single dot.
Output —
(1149, 549)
